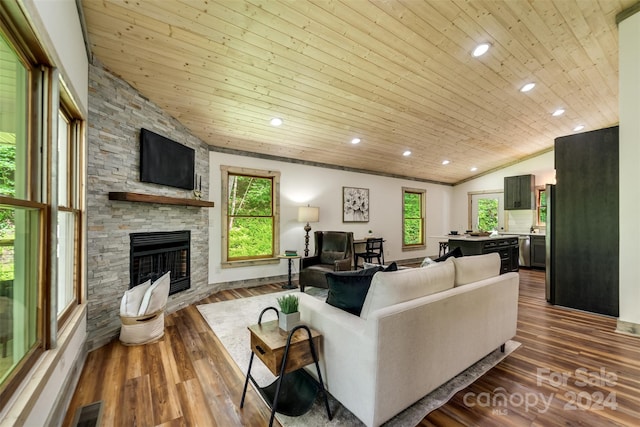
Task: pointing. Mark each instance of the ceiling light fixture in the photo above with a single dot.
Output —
(276, 121)
(355, 141)
(578, 128)
(445, 162)
(481, 49)
(558, 112)
(527, 87)
(473, 169)
(406, 153)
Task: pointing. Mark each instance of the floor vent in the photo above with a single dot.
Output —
(88, 415)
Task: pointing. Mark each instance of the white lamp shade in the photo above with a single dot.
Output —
(308, 214)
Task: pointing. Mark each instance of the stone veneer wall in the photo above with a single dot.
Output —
(116, 114)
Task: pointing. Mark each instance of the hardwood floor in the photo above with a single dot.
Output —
(188, 379)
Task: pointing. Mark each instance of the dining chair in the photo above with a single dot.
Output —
(373, 249)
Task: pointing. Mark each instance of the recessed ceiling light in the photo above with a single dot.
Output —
(558, 112)
(473, 169)
(355, 141)
(276, 121)
(406, 153)
(481, 49)
(445, 162)
(527, 87)
(578, 128)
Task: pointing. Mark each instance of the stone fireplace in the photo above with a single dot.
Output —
(117, 112)
(153, 254)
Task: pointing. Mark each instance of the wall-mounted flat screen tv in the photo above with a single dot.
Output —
(166, 162)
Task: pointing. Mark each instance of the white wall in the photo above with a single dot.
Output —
(58, 27)
(629, 36)
(541, 166)
(301, 185)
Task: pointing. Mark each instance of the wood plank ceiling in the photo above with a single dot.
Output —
(398, 74)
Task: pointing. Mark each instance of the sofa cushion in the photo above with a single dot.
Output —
(389, 288)
(474, 268)
(348, 289)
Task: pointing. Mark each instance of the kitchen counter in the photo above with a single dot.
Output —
(505, 245)
(480, 238)
(523, 234)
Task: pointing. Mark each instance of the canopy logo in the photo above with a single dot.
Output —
(575, 388)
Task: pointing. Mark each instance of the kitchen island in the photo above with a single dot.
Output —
(505, 245)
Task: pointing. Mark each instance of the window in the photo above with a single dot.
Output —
(68, 224)
(39, 164)
(413, 221)
(541, 195)
(251, 213)
(22, 218)
(486, 211)
(487, 214)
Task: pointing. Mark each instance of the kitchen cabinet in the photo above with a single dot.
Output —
(538, 251)
(505, 246)
(519, 192)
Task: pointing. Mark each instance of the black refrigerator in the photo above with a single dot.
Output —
(583, 223)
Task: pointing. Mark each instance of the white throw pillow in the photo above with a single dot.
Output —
(366, 265)
(133, 298)
(427, 262)
(156, 296)
(474, 268)
(393, 287)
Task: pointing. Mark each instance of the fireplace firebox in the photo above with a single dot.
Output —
(153, 254)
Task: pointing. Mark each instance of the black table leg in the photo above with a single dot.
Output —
(289, 285)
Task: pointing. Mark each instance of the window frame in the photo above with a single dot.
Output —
(73, 203)
(45, 89)
(539, 190)
(227, 171)
(423, 222)
(23, 42)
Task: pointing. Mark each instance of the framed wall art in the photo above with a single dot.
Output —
(355, 204)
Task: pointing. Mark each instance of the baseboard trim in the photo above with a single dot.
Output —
(628, 328)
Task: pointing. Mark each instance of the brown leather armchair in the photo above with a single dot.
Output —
(333, 252)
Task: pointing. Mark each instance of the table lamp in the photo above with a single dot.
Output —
(308, 214)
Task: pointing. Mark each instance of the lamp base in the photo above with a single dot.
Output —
(307, 229)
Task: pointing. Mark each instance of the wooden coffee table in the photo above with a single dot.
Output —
(285, 355)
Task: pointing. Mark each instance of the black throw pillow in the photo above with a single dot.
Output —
(457, 253)
(348, 289)
(391, 267)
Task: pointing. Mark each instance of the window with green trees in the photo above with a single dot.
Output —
(251, 214)
(413, 218)
(21, 219)
(542, 206)
(487, 214)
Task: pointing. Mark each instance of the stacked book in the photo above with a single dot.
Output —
(290, 252)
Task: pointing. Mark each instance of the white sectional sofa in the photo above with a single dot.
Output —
(418, 328)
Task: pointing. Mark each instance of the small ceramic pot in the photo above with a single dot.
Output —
(287, 322)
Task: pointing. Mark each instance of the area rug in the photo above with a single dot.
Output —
(229, 321)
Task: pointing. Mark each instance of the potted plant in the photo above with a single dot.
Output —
(289, 315)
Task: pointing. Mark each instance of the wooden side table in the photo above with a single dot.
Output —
(286, 354)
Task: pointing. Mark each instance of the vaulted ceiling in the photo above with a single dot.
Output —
(398, 74)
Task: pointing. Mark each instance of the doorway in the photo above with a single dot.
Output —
(486, 211)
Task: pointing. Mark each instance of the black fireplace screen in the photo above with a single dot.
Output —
(153, 254)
